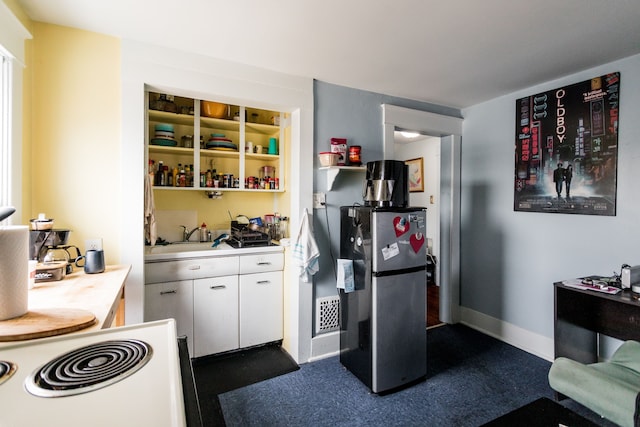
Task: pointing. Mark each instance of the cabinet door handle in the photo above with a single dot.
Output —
(264, 263)
(263, 282)
(172, 291)
(194, 267)
(218, 287)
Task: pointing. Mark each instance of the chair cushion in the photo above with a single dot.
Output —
(609, 388)
(628, 355)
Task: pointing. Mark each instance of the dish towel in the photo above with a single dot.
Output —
(150, 233)
(305, 250)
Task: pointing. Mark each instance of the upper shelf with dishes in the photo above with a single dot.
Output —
(216, 139)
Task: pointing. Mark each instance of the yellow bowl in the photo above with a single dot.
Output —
(213, 109)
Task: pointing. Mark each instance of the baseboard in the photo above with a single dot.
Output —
(325, 345)
(528, 341)
(328, 345)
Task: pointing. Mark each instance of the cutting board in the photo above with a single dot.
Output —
(42, 323)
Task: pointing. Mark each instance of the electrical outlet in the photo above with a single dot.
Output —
(93, 244)
(319, 201)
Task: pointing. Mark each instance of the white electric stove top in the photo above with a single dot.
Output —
(149, 393)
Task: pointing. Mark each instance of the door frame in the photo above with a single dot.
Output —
(449, 130)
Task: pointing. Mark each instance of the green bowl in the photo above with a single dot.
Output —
(164, 127)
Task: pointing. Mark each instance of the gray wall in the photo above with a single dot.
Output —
(509, 260)
(356, 115)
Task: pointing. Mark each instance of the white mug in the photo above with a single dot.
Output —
(258, 149)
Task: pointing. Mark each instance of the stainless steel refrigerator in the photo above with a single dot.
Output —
(383, 339)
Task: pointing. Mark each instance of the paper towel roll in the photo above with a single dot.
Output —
(14, 271)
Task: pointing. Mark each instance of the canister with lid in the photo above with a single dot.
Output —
(187, 141)
(354, 155)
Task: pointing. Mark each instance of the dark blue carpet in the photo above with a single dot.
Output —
(471, 379)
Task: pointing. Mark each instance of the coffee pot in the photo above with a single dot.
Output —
(61, 254)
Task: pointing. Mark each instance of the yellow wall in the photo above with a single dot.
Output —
(72, 144)
(73, 134)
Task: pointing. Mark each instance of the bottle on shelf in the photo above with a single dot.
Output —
(152, 171)
(182, 178)
(160, 174)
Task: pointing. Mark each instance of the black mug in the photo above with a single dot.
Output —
(93, 261)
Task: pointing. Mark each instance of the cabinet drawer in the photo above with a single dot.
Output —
(189, 269)
(261, 262)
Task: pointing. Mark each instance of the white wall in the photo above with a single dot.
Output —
(202, 77)
(429, 149)
(509, 260)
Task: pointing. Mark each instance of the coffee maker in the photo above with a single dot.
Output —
(48, 246)
(386, 184)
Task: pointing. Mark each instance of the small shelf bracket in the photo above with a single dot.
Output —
(333, 171)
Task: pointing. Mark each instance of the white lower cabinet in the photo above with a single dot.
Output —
(219, 303)
(260, 308)
(215, 315)
(171, 300)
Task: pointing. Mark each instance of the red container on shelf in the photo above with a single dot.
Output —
(354, 155)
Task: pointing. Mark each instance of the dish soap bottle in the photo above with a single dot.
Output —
(204, 234)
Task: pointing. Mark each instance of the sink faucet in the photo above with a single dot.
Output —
(186, 235)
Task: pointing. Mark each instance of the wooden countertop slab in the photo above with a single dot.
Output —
(99, 294)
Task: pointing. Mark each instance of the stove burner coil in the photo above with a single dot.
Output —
(7, 369)
(89, 368)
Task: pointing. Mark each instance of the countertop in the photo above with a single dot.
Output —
(98, 293)
(201, 250)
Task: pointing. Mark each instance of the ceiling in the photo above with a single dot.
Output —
(455, 53)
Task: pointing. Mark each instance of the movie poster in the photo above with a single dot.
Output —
(567, 149)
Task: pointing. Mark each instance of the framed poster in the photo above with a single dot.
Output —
(566, 149)
(416, 175)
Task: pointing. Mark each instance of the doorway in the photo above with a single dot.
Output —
(448, 131)
(411, 145)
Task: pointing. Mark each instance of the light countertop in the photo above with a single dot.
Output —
(99, 294)
(201, 250)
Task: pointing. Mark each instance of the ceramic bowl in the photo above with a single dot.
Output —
(213, 109)
(328, 159)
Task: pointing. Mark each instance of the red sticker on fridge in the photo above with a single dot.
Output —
(400, 226)
(416, 241)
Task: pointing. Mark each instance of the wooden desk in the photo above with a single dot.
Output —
(581, 314)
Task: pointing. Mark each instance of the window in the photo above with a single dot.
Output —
(12, 37)
(5, 131)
